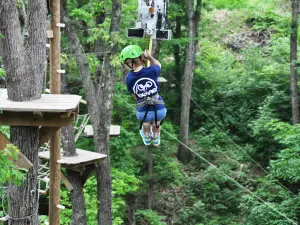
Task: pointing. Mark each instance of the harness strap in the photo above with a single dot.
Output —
(155, 113)
(141, 124)
(150, 101)
(153, 100)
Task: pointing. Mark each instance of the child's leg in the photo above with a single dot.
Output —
(146, 129)
(156, 130)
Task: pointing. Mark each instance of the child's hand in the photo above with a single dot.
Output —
(147, 54)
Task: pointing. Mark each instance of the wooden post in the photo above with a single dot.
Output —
(55, 86)
(150, 180)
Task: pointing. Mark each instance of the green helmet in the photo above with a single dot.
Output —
(131, 52)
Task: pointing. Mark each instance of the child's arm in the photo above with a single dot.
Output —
(152, 60)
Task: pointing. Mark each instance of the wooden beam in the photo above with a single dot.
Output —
(45, 133)
(55, 88)
(27, 119)
(37, 114)
(21, 162)
(76, 169)
(66, 182)
(67, 115)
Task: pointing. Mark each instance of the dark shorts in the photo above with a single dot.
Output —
(161, 114)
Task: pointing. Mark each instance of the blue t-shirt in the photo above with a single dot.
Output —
(144, 83)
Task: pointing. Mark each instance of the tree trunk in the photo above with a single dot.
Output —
(68, 141)
(183, 154)
(23, 200)
(24, 69)
(293, 62)
(178, 68)
(75, 178)
(130, 200)
(77, 198)
(150, 179)
(99, 102)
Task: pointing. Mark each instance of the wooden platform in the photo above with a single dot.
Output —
(50, 110)
(114, 131)
(47, 103)
(82, 158)
(162, 80)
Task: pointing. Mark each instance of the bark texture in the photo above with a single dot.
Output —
(68, 141)
(17, 61)
(293, 64)
(99, 96)
(75, 178)
(183, 154)
(23, 200)
(24, 69)
(77, 198)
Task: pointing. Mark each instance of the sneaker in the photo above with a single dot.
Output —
(156, 142)
(147, 141)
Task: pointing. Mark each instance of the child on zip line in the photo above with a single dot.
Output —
(142, 83)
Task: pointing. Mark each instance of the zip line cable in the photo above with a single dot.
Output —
(233, 142)
(218, 127)
(219, 170)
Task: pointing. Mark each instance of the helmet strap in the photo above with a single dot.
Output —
(131, 67)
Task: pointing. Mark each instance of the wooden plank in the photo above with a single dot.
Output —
(82, 158)
(27, 119)
(113, 132)
(81, 101)
(47, 103)
(162, 80)
(45, 133)
(21, 161)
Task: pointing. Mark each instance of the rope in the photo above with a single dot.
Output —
(8, 217)
(219, 170)
(150, 48)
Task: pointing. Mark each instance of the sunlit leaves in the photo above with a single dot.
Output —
(9, 172)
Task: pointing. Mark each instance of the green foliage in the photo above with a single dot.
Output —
(44, 219)
(226, 4)
(193, 215)
(266, 20)
(2, 72)
(5, 130)
(65, 214)
(240, 108)
(150, 217)
(122, 184)
(287, 161)
(277, 206)
(9, 173)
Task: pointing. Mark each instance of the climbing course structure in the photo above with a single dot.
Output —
(152, 20)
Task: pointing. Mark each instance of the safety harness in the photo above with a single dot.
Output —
(150, 101)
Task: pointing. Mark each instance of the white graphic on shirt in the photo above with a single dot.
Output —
(144, 87)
